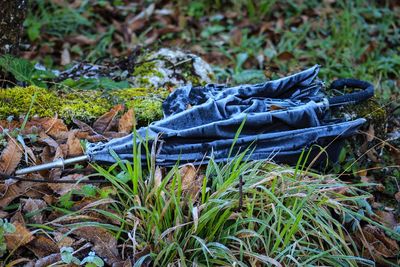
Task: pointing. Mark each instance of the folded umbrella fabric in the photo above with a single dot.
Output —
(280, 118)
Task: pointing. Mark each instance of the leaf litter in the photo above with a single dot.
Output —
(56, 140)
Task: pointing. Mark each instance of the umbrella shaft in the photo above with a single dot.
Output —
(59, 163)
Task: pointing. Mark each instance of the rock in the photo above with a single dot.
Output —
(170, 68)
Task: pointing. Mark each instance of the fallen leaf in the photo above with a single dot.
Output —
(74, 145)
(285, 56)
(20, 237)
(370, 133)
(48, 260)
(191, 182)
(63, 240)
(34, 206)
(386, 218)
(275, 107)
(3, 214)
(127, 122)
(136, 25)
(105, 245)
(83, 126)
(10, 157)
(125, 263)
(11, 190)
(157, 177)
(53, 127)
(62, 189)
(103, 123)
(42, 246)
(377, 244)
(236, 36)
(80, 39)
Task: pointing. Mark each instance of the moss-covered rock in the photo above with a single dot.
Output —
(81, 104)
(172, 68)
(154, 75)
(373, 112)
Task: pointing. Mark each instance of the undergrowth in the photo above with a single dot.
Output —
(238, 213)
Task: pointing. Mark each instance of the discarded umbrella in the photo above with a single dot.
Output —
(280, 118)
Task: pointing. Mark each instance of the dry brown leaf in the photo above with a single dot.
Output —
(50, 199)
(96, 138)
(236, 36)
(63, 240)
(275, 107)
(34, 206)
(386, 218)
(49, 150)
(127, 121)
(80, 39)
(104, 123)
(125, 263)
(49, 260)
(10, 157)
(112, 135)
(62, 189)
(11, 190)
(20, 237)
(157, 177)
(191, 182)
(105, 245)
(370, 134)
(377, 244)
(137, 25)
(74, 145)
(3, 214)
(84, 127)
(54, 127)
(42, 246)
(285, 56)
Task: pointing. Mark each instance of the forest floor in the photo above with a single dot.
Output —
(347, 216)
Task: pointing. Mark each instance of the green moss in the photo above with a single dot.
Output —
(84, 105)
(374, 112)
(144, 71)
(16, 102)
(146, 102)
(81, 104)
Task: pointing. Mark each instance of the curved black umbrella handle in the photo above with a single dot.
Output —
(353, 98)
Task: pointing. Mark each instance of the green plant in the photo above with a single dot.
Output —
(5, 227)
(92, 260)
(68, 257)
(24, 71)
(54, 18)
(279, 216)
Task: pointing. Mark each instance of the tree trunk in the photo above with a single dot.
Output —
(12, 16)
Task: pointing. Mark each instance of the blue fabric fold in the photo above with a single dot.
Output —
(281, 118)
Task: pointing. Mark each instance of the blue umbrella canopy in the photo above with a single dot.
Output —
(277, 119)
(280, 118)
